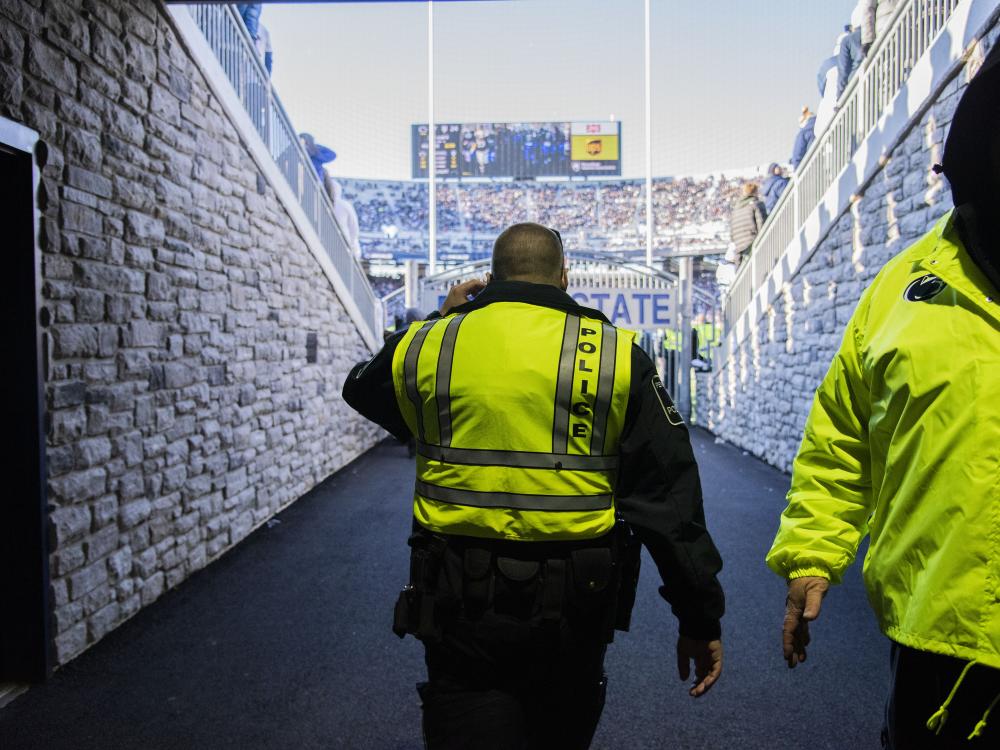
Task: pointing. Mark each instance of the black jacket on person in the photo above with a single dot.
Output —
(658, 491)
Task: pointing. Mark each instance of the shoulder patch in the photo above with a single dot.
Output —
(924, 288)
(673, 416)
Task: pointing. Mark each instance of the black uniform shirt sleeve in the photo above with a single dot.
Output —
(369, 390)
(659, 495)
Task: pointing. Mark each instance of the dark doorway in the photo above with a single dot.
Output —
(24, 571)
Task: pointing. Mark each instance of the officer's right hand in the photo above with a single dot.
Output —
(459, 294)
(707, 658)
(805, 598)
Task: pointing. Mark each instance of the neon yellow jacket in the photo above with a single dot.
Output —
(903, 443)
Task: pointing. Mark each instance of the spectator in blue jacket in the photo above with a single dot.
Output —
(250, 13)
(318, 153)
(849, 57)
(804, 138)
(773, 186)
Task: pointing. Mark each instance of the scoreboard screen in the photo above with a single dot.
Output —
(519, 149)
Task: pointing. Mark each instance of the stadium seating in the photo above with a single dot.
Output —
(690, 213)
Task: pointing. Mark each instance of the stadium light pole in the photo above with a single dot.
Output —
(432, 146)
(649, 145)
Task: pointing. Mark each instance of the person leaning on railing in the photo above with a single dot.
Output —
(747, 218)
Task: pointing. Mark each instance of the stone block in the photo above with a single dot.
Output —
(143, 333)
(165, 105)
(131, 486)
(69, 523)
(67, 425)
(134, 513)
(78, 486)
(152, 588)
(145, 563)
(11, 44)
(59, 460)
(160, 529)
(59, 591)
(155, 445)
(139, 257)
(89, 305)
(178, 375)
(914, 224)
(51, 66)
(11, 86)
(140, 62)
(104, 621)
(105, 510)
(101, 544)
(63, 395)
(140, 26)
(125, 307)
(106, 47)
(174, 477)
(111, 279)
(68, 558)
(129, 447)
(83, 148)
(120, 564)
(87, 579)
(141, 228)
(80, 218)
(123, 124)
(92, 452)
(71, 642)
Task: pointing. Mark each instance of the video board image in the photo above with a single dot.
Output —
(519, 150)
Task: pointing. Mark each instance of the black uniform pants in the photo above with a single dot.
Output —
(533, 696)
(920, 683)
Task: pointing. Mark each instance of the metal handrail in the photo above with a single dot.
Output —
(236, 51)
(913, 27)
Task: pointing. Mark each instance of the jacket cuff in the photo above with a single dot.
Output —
(809, 570)
(701, 630)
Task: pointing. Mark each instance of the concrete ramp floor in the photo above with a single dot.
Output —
(285, 642)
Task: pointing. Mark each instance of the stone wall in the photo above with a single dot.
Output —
(194, 350)
(759, 398)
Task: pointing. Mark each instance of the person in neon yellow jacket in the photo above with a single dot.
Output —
(903, 444)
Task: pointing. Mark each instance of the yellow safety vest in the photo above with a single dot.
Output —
(517, 410)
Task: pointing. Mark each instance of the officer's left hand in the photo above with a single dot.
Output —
(459, 294)
(707, 657)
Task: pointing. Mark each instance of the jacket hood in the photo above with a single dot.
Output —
(976, 120)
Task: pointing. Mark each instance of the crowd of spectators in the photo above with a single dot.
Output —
(599, 214)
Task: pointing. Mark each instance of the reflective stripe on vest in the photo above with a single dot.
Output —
(518, 410)
(518, 459)
(483, 499)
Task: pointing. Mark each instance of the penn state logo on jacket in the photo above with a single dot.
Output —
(924, 288)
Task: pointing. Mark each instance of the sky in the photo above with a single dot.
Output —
(728, 76)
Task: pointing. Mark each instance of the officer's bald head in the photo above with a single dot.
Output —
(528, 252)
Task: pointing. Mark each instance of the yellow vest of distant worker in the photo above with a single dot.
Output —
(517, 410)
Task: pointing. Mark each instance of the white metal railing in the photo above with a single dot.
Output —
(236, 51)
(913, 27)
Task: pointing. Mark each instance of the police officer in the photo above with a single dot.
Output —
(547, 450)
(903, 444)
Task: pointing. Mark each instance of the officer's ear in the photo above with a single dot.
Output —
(564, 279)
(487, 278)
